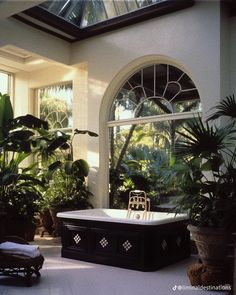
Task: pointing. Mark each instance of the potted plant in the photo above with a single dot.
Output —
(209, 183)
(18, 184)
(66, 188)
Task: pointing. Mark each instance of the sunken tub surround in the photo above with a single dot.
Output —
(108, 236)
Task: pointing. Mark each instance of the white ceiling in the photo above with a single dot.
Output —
(14, 59)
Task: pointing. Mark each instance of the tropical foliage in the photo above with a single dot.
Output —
(29, 165)
(66, 178)
(145, 162)
(209, 174)
(18, 185)
(55, 105)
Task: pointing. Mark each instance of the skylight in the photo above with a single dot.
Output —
(84, 13)
(74, 20)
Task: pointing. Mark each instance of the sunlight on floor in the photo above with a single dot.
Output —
(61, 276)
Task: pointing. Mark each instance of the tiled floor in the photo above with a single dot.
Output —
(61, 276)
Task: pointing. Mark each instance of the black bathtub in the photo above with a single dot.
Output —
(107, 236)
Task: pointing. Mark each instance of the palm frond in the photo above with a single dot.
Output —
(201, 140)
(227, 107)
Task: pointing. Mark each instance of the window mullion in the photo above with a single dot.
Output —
(150, 119)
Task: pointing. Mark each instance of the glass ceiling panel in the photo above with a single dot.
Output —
(84, 13)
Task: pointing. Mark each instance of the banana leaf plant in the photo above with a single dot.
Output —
(66, 177)
(209, 172)
(20, 139)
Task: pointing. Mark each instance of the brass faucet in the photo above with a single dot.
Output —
(138, 201)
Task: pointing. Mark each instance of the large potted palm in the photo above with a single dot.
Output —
(209, 183)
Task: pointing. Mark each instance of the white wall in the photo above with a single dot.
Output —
(232, 54)
(224, 52)
(13, 32)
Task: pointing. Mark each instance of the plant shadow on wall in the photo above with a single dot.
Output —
(209, 189)
(66, 187)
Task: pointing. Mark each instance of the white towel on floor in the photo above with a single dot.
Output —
(19, 249)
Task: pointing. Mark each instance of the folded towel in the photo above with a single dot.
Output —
(21, 253)
(19, 249)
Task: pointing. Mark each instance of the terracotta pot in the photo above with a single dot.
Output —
(56, 222)
(25, 230)
(46, 222)
(211, 245)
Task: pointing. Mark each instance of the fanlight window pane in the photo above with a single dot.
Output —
(55, 105)
(155, 90)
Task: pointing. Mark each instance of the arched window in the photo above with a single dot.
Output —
(146, 115)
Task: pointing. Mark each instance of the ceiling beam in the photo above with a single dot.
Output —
(10, 7)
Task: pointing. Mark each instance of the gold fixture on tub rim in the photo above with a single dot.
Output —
(138, 201)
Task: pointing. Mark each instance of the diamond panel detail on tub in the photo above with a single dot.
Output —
(127, 245)
(178, 241)
(103, 242)
(77, 238)
(164, 245)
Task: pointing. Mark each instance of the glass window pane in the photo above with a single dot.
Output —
(124, 106)
(140, 158)
(4, 83)
(142, 3)
(110, 8)
(121, 7)
(100, 11)
(94, 12)
(132, 5)
(54, 6)
(73, 12)
(55, 105)
(148, 81)
(156, 90)
(88, 16)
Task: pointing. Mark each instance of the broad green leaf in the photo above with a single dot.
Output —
(90, 133)
(29, 121)
(80, 168)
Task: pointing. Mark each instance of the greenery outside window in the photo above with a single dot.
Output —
(5, 83)
(146, 115)
(55, 106)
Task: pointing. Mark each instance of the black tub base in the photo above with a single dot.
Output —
(132, 246)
